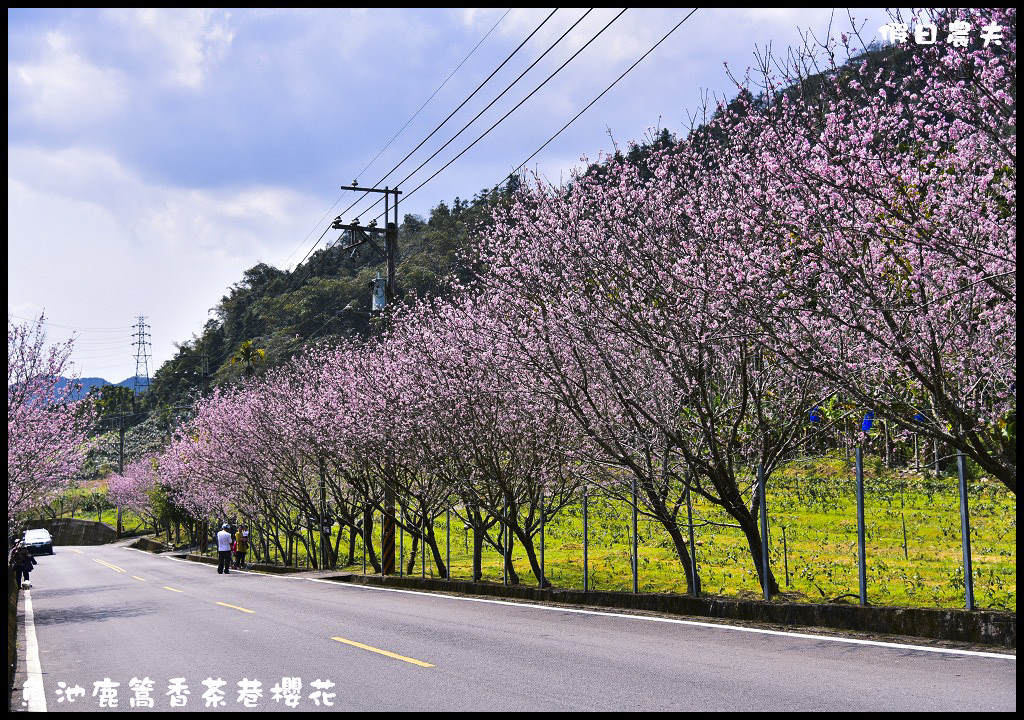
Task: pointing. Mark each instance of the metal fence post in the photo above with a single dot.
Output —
(542, 540)
(504, 546)
(862, 570)
(586, 566)
(785, 554)
(764, 532)
(693, 547)
(965, 530)
(636, 557)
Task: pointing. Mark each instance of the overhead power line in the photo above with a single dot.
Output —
(460, 106)
(521, 102)
(548, 141)
(516, 107)
(507, 88)
(450, 75)
(77, 329)
(431, 134)
(331, 209)
(588, 106)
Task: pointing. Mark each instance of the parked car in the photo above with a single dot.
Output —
(39, 542)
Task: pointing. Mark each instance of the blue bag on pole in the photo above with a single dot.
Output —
(869, 418)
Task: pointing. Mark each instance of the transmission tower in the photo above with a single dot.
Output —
(143, 354)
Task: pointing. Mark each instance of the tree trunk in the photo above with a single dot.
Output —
(506, 550)
(478, 553)
(432, 543)
(352, 544)
(336, 550)
(531, 555)
(750, 530)
(368, 539)
(692, 581)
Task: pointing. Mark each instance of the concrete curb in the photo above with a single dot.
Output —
(986, 627)
(256, 567)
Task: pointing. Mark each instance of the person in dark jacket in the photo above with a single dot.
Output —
(23, 563)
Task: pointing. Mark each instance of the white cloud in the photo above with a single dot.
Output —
(87, 236)
(184, 44)
(62, 89)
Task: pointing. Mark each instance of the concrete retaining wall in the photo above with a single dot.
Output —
(74, 531)
(150, 545)
(986, 627)
(12, 630)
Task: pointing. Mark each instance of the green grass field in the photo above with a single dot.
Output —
(815, 504)
(813, 542)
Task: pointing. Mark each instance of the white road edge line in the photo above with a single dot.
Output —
(34, 694)
(737, 628)
(695, 623)
(244, 572)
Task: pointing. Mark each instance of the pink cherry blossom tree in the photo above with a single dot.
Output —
(875, 210)
(47, 429)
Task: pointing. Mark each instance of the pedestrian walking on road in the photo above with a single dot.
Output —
(224, 550)
(23, 563)
(241, 546)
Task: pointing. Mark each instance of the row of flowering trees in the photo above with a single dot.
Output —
(665, 327)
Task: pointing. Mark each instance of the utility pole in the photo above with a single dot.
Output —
(120, 466)
(358, 235)
(204, 369)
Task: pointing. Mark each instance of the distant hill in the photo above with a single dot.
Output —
(87, 384)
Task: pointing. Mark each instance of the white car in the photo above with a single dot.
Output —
(38, 541)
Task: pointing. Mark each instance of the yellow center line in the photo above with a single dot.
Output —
(172, 589)
(138, 578)
(383, 652)
(253, 612)
(77, 551)
(112, 567)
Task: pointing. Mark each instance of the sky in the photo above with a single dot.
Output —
(155, 154)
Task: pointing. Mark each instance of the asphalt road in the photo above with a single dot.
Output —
(111, 613)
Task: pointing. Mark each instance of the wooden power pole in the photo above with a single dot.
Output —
(369, 234)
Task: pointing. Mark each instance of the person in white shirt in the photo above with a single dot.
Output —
(224, 550)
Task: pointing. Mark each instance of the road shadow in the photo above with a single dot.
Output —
(46, 593)
(85, 614)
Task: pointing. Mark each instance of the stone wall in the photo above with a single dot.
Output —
(75, 531)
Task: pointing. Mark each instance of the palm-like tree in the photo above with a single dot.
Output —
(249, 354)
